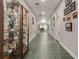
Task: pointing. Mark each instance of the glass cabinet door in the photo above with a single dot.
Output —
(25, 31)
(11, 29)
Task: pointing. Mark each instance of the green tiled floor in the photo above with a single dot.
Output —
(44, 46)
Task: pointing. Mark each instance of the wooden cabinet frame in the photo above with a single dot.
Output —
(2, 31)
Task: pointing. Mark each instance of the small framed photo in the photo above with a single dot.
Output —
(68, 26)
(75, 14)
(64, 18)
(68, 18)
(32, 20)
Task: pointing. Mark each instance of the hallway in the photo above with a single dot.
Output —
(44, 46)
(38, 29)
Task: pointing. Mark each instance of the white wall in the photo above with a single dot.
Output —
(45, 26)
(32, 27)
(69, 40)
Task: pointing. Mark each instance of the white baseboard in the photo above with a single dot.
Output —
(72, 54)
(52, 35)
(32, 37)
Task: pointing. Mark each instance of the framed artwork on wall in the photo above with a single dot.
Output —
(70, 8)
(68, 26)
(67, 2)
(73, 6)
(32, 20)
(75, 14)
(64, 18)
(68, 18)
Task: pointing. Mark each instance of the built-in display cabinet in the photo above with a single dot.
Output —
(14, 37)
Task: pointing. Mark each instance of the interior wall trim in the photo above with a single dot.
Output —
(71, 53)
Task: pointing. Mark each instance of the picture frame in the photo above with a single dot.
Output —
(68, 18)
(75, 14)
(64, 18)
(70, 8)
(73, 6)
(67, 2)
(68, 26)
(32, 20)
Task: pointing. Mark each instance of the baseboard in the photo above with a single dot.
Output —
(33, 37)
(53, 36)
(72, 54)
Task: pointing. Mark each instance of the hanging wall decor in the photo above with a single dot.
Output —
(32, 20)
(68, 18)
(67, 2)
(75, 14)
(68, 26)
(64, 18)
(70, 8)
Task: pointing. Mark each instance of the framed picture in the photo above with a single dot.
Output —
(68, 26)
(32, 20)
(73, 6)
(68, 18)
(70, 8)
(75, 14)
(11, 23)
(64, 18)
(67, 2)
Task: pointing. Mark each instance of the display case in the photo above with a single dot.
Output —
(14, 35)
(11, 29)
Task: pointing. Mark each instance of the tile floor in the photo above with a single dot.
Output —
(44, 46)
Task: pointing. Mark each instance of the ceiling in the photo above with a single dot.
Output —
(37, 7)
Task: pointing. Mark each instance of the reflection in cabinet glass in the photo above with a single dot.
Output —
(25, 31)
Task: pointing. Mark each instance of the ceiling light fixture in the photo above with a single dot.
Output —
(43, 13)
(43, 20)
(43, 0)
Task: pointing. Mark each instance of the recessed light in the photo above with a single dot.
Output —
(43, 20)
(43, 0)
(43, 13)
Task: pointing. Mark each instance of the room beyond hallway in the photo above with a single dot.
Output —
(44, 46)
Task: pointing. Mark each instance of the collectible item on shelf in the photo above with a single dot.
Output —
(68, 26)
(11, 23)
